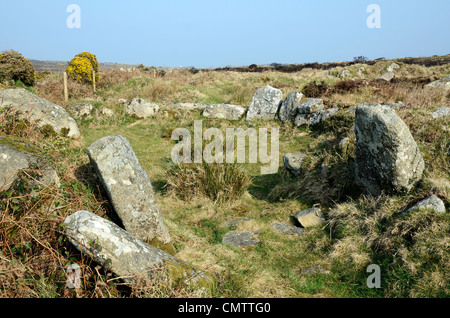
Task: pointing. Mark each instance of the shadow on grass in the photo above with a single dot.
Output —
(87, 175)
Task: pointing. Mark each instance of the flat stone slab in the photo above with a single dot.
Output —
(441, 112)
(288, 229)
(240, 239)
(432, 202)
(236, 222)
(224, 111)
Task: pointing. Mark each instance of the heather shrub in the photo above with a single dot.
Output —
(14, 66)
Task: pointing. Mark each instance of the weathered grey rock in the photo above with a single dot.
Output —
(432, 202)
(310, 217)
(344, 73)
(265, 103)
(387, 76)
(361, 71)
(224, 111)
(39, 111)
(288, 108)
(396, 105)
(311, 106)
(288, 229)
(391, 68)
(236, 222)
(189, 106)
(293, 162)
(106, 112)
(81, 110)
(443, 83)
(343, 144)
(141, 108)
(240, 239)
(128, 187)
(12, 161)
(122, 253)
(441, 112)
(122, 101)
(387, 157)
(315, 118)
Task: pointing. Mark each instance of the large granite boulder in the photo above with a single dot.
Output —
(39, 111)
(387, 157)
(265, 103)
(129, 188)
(124, 254)
(224, 111)
(288, 108)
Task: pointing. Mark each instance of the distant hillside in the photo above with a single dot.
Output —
(59, 66)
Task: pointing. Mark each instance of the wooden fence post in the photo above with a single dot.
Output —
(66, 91)
(93, 81)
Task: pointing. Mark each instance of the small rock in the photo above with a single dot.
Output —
(288, 229)
(344, 73)
(293, 162)
(240, 239)
(443, 83)
(107, 112)
(141, 108)
(391, 68)
(441, 112)
(310, 217)
(81, 110)
(315, 118)
(387, 76)
(315, 270)
(224, 111)
(189, 106)
(311, 106)
(396, 105)
(343, 144)
(265, 103)
(432, 202)
(236, 222)
(122, 101)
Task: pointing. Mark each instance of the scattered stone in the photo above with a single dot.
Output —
(288, 108)
(81, 110)
(391, 68)
(315, 270)
(265, 103)
(188, 106)
(343, 144)
(106, 112)
(443, 83)
(361, 71)
(288, 229)
(12, 161)
(387, 157)
(432, 202)
(128, 187)
(441, 112)
(315, 118)
(141, 108)
(293, 162)
(396, 105)
(311, 106)
(310, 217)
(236, 222)
(344, 73)
(125, 255)
(122, 101)
(39, 111)
(387, 76)
(240, 239)
(224, 111)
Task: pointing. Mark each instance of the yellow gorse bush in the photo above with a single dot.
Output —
(81, 67)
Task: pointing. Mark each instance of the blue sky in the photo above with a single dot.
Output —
(218, 33)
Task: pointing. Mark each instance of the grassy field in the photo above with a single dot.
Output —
(412, 251)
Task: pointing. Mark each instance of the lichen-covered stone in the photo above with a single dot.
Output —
(240, 239)
(293, 162)
(443, 111)
(288, 229)
(128, 187)
(140, 108)
(387, 158)
(432, 203)
(188, 106)
(315, 118)
(311, 106)
(443, 83)
(124, 254)
(265, 103)
(224, 111)
(288, 109)
(39, 111)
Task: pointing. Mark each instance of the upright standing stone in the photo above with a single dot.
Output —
(128, 187)
(265, 103)
(288, 108)
(387, 157)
